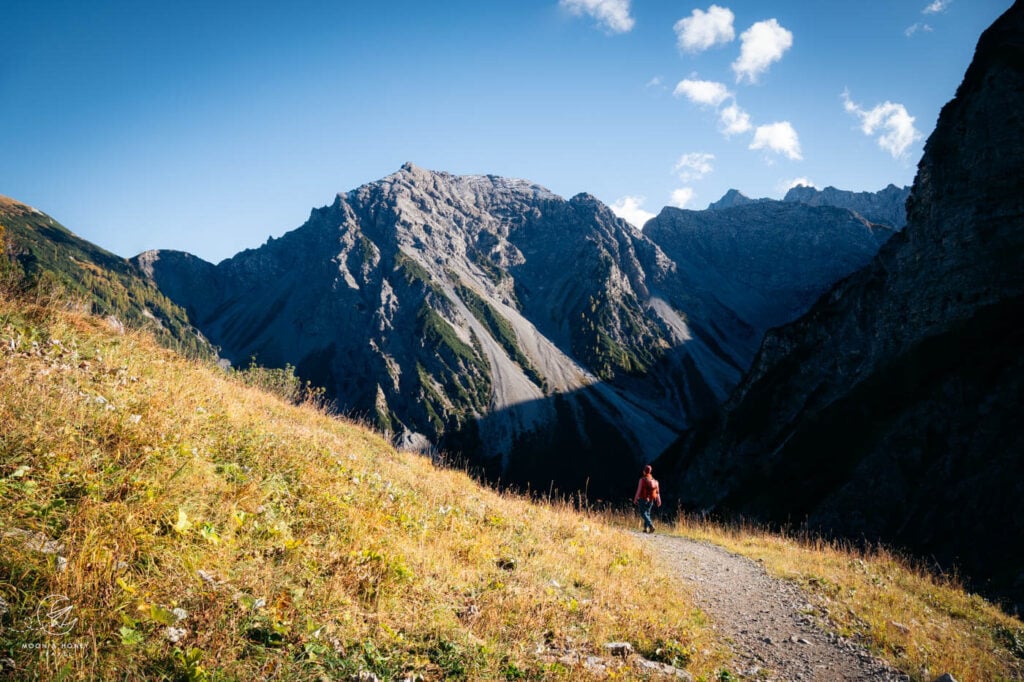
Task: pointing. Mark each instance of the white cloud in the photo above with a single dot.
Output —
(694, 166)
(734, 120)
(703, 30)
(762, 44)
(892, 122)
(797, 182)
(681, 197)
(937, 7)
(911, 30)
(708, 93)
(612, 14)
(629, 208)
(778, 137)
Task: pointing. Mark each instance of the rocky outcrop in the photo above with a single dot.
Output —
(886, 207)
(891, 410)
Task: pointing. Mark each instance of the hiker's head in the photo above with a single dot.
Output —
(647, 469)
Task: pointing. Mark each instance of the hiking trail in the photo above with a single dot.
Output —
(770, 624)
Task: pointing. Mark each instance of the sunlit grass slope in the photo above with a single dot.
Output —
(192, 527)
(53, 262)
(924, 624)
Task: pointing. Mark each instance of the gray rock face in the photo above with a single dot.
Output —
(891, 410)
(486, 314)
(887, 206)
(768, 261)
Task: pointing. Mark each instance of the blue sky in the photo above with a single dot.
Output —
(207, 126)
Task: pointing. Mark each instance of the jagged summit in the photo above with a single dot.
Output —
(732, 198)
(766, 260)
(886, 206)
(411, 175)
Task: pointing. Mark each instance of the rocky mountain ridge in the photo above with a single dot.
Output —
(731, 199)
(546, 337)
(886, 206)
(440, 307)
(767, 261)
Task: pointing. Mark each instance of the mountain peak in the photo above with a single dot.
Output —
(733, 197)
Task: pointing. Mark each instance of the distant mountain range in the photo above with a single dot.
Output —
(885, 207)
(766, 261)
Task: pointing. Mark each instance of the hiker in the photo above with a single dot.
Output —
(648, 494)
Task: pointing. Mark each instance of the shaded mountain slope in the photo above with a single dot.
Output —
(891, 410)
(767, 261)
(887, 206)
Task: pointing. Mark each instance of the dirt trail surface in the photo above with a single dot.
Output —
(772, 627)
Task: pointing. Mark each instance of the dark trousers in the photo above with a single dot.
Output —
(645, 507)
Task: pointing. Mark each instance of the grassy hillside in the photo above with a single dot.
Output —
(52, 260)
(162, 520)
(923, 624)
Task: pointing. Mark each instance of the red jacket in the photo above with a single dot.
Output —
(648, 489)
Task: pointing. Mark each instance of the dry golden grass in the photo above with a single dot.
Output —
(276, 542)
(923, 624)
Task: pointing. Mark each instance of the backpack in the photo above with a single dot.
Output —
(648, 488)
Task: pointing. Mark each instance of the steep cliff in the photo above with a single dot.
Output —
(891, 410)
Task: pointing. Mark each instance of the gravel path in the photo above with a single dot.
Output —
(769, 623)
